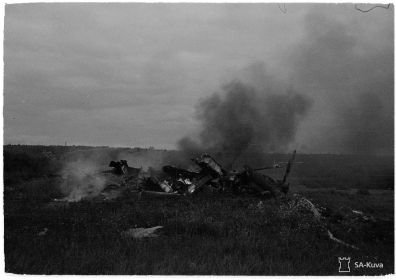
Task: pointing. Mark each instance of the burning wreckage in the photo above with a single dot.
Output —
(178, 181)
(172, 181)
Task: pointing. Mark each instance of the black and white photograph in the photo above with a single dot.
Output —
(227, 139)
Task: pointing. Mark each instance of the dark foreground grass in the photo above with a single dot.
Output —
(206, 234)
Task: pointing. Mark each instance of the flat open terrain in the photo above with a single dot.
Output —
(220, 234)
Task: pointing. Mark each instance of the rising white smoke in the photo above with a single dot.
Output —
(81, 180)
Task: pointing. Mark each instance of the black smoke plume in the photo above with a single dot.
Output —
(344, 72)
(243, 118)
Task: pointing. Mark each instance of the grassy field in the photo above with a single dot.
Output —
(216, 234)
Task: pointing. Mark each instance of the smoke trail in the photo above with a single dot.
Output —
(351, 81)
(81, 180)
(82, 171)
(242, 118)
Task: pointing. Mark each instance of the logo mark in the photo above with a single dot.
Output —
(344, 264)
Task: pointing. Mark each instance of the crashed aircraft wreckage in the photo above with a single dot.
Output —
(211, 174)
(178, 181)
(173, 181)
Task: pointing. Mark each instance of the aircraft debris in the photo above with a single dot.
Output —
(154, 193)
(176, 181)
(357, 212)
(43, 232)
(137, 233)
(363, 216)
(122, 168)
(331, 236)
(211, 173)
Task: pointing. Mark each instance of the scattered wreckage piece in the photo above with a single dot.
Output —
(288, 167)
(152, 185)
(166, 187)
(261, 183)
(138, 233)
(198, 184)
(43, 232)
(332, 237)
(179, 172)
(363, 216)
(209, 165)
(154, 193)
(122, 174)
(120, 167)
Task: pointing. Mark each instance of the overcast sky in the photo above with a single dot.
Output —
(132, 74)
